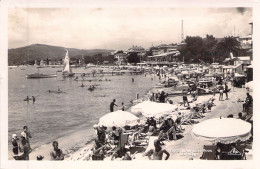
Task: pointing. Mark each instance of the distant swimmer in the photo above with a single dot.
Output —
(123, 106)
(27, 99)
(33, 98)
(57, 153)
(92, 87)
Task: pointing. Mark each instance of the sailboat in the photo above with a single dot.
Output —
(67, 69)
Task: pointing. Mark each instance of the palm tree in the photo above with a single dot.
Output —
(226, 46)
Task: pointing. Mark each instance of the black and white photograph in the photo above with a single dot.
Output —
(135, 83)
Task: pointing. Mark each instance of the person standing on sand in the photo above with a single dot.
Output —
(24, 148)
(157, 152)
(112, 104)
(57, 153)
(248, 102)
(15, 144)
(226, 90)
(221, 90)
(185, 99)
(27, 135)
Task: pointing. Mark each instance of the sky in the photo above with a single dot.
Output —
(121, 28)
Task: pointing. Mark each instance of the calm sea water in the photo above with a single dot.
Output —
(55, 115)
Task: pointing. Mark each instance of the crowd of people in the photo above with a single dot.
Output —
(22, 147)
(108, 141)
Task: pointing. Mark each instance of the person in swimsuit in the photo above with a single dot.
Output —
(112, 104)
(15, 144)
(157, 152)
(57, 153)
(27, 135)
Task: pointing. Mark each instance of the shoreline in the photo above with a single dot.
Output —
(188, 147)
(83, 138)
(181, 149)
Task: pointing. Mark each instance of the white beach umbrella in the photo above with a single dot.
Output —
(249, 85)
(149, 109)
(224, 130)
(119, 119)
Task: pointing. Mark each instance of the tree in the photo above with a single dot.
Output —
(226, 46)
(192, 50)
(209, 42)
(133, 58)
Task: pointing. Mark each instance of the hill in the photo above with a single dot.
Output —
(33, 52)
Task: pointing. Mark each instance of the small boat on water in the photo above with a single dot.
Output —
(40, 75)
(67, 72)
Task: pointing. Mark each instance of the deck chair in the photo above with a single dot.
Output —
(196, 113)
(123, 140)
(241, 148)
(209, 153)
(186, 119)
(138, 140)
(178, 126)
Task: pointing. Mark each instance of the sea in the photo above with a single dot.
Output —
(56, 115)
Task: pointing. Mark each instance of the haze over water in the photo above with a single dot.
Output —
(55, 115)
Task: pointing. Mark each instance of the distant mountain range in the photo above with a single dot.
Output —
(33, 52)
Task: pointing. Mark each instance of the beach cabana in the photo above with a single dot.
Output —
(150, 109)
(119, 119)
(223, 130)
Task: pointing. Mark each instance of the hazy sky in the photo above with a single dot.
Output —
(120, 28)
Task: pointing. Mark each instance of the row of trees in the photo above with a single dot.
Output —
(196, 49)
(200, 50)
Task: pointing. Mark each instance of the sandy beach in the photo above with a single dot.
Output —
(188, 147)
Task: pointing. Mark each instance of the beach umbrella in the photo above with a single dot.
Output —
(249, 85)
(150, 109)
(119, 119)
(223, 130)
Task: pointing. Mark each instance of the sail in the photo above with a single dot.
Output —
(67, 68)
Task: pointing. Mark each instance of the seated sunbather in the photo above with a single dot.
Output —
(116, 134)
(122, 153)
(168, 129)
(157, 152)
(99, 150)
